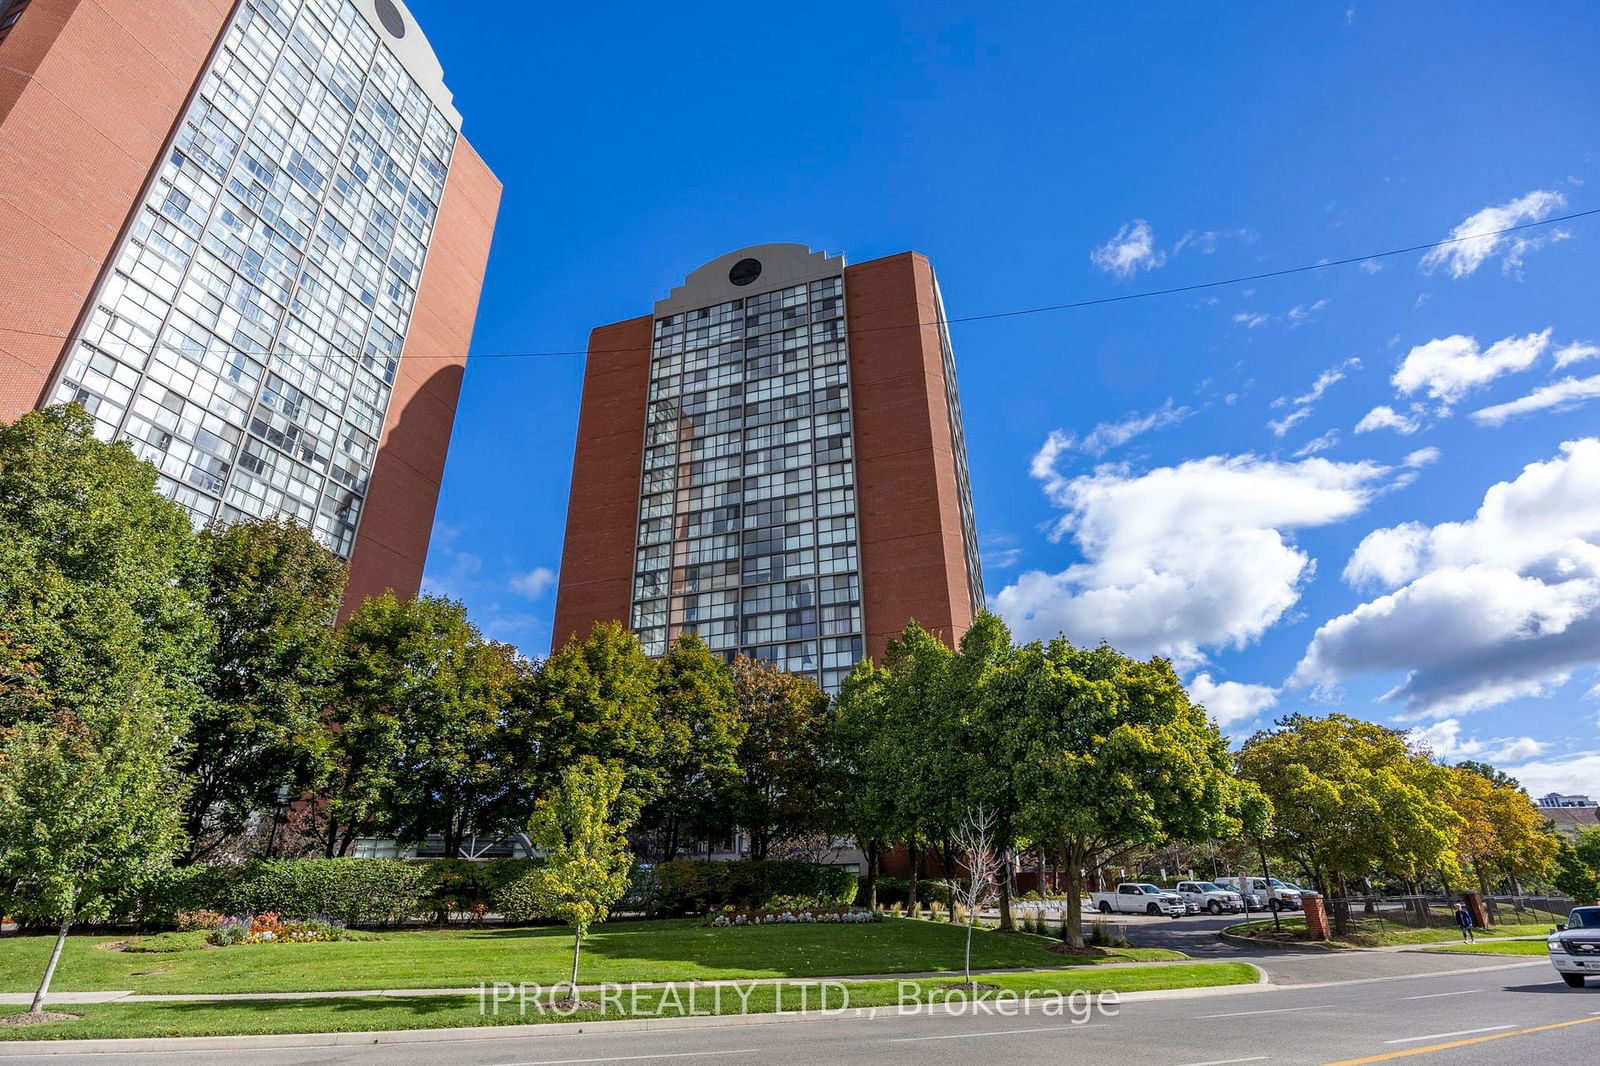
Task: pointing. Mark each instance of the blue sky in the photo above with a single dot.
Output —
(1279, 483)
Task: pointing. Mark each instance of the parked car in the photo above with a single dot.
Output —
(1269, 892)
(1137, 897)
(1575, 946)
(1213, 898)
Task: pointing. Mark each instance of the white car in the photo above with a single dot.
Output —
(1138, 897)
(1275, 894)
(1205, 896)
(1575, 947)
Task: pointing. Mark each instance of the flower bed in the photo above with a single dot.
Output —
(270, 928)
(798, 916)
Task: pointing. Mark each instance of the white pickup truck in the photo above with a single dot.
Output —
(1214, 899)
(1276, 894)
(1135, 897)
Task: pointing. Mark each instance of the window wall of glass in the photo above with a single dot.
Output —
(747, 522)
(247, 338)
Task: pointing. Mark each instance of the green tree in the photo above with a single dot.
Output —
(864, 762)
(781, 793)
(100, 578)
(598, 696)
(583, 836)
(701, 730)
(1578, 867)
(1350, 797)
(1110, 754)
(271, 593)
(1501, 833)
(103, 651)
(87, 813)
(440, 696)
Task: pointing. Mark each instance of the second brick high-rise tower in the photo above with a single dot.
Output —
(775, 460)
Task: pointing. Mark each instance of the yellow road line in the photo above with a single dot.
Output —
(1459, 1043)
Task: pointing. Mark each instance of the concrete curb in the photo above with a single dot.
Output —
(43, 1047)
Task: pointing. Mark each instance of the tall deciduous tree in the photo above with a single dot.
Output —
(864, 759)
(103, 652)
(422, 665)
(1502, 834)
(781, 793)
(1349, 796)
(598, 696)
(700, 735)
(583, 834)
(1578, 867)
(1111, 754)
(271, 592)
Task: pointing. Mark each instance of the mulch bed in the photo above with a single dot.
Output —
(26, 1018)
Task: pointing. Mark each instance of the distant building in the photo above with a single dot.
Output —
(774, 459)
(1556, 799)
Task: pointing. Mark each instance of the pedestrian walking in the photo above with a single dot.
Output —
(1464, 920)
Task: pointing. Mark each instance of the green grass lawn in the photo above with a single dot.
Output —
(369, 1014)
(1369, 933)
(1507, 947)
(621, 952)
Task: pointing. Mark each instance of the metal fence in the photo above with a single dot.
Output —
(1431, 912)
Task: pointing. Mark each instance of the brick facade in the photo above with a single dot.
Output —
(913, 561)
(603, 512)
(912, 546)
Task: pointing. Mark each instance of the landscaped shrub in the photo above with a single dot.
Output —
(898, 890)
(354, 891)
(518, 899)
(462, 886)
(694, 886)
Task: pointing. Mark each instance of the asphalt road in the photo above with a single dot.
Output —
(1501, 1011)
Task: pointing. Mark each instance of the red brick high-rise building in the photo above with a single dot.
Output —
(775, 459)
(248, 236)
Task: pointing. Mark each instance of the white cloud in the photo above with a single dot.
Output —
(1182, 558)
(1451, 367)
(1130, 251)
(1252, 319)
(1385, 417)
(1576, 353)
(1108, 435)
(1300, 314)
(1318, 445)
(1563, 395)
(535, 583)
(1444, 741)
(1501, 606)
(1231, 702)
(1371, 266)
(1578, 773)
(1465, 256)
(1423, 457)
(1281, 426)
(1306, 401)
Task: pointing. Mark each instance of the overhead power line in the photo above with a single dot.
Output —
(1099, 301)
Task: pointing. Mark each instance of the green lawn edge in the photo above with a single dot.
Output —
(683, 950)
(381, 1014)
(1371, 935)
(1505, 947)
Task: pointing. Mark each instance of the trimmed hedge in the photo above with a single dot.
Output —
(355, 891)
(458, 884)
(694, 886)
(892, 890)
